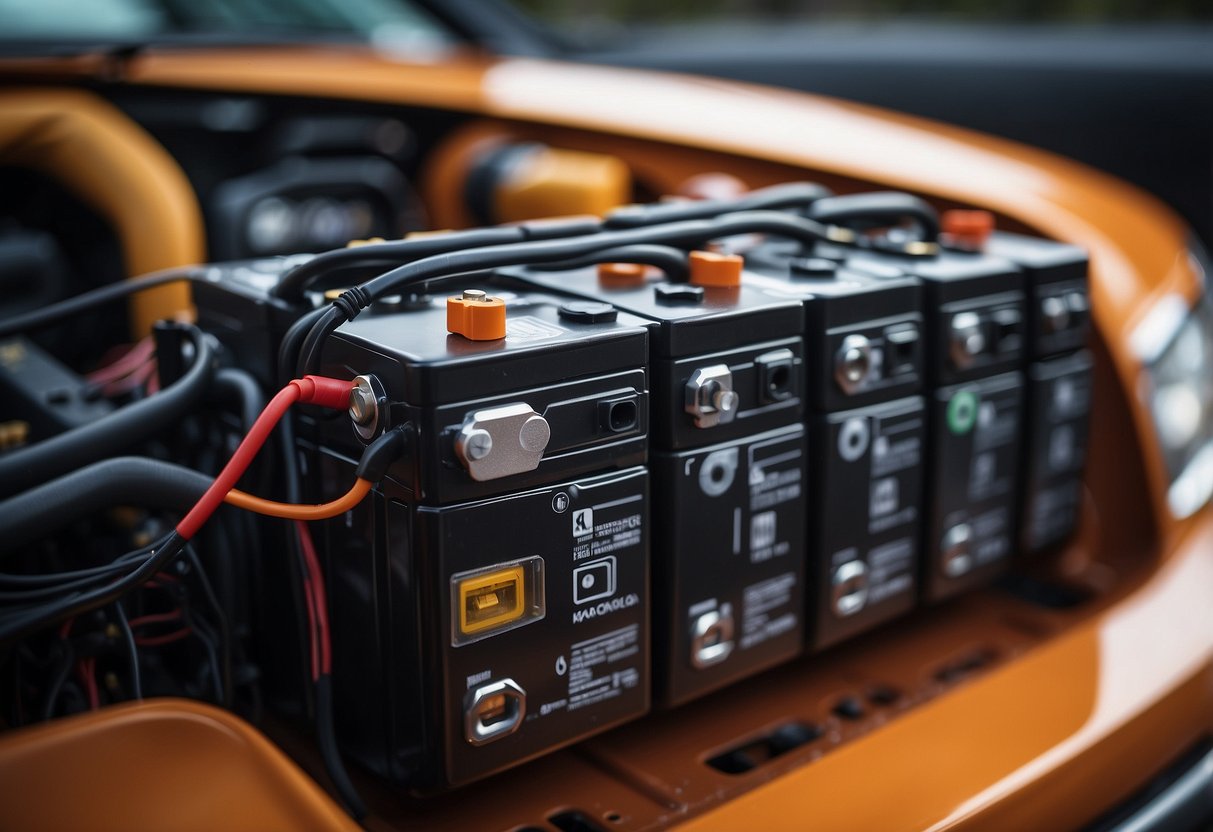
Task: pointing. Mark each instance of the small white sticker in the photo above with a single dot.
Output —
(583, 522)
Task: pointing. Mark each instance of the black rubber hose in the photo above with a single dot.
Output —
(112, 433)
(240, 386)
(122, 481)
(56, 312)
(878, 208)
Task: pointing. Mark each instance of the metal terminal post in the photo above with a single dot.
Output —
(710, 396)
(367, 402)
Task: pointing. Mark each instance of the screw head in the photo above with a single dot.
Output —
(478, 444)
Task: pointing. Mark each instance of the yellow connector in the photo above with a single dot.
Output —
(491, 600)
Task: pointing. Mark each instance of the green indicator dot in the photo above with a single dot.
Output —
(962, 412)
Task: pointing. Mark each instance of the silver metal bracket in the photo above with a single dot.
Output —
(502, 441)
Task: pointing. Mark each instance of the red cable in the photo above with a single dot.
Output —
(86, 669)
(154, 618)
(326, 392)
(313, 640)
(321, 602)
(167, 638)
(129, 361)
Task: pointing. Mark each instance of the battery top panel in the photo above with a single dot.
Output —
(690, 319)
(547, 338)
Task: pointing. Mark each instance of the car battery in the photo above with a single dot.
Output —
(1059, 385)
(728, 463)
(976, 346)
(490, 602)
(867, 435)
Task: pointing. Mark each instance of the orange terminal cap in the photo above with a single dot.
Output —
(622, 274)
(710, 268)
(476, 316)
(969, 228)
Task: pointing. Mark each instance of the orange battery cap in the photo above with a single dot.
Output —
(476, 316)
(967, 228)
(710, 268)
(621, 275)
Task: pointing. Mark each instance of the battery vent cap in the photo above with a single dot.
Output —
(966, 229)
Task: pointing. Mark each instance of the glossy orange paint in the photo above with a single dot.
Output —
(110, 770)
(114, 166)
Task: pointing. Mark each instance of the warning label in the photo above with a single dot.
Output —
(528, 328)
(602, 668)
(761, 604)
(596, 534)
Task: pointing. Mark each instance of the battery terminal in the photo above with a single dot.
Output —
(476, 316)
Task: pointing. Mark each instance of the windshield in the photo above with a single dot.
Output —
(392, 22)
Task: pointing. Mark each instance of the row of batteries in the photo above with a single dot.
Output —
(650, 489)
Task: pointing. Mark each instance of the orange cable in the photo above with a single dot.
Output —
(291, 511)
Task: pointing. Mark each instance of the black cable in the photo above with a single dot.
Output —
(878, 208)
(121, 481)
(47, 315)
(57, 584)
(783, 196)
(113, 432)
(689, 232)
(63, 577)
(131, 650)
(200, 631)
(293, 284)
(60, 679)
(326, 738)
(291, 347)
(672, 261)
(25, 622)
(225, 633)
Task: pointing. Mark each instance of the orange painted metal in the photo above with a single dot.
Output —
(161, 764)
(114, 166)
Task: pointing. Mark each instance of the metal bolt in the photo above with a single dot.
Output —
(853, 362)
(478, 295)
(1056, 313)
(363, 407)
(478, 444)
(726, 402)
